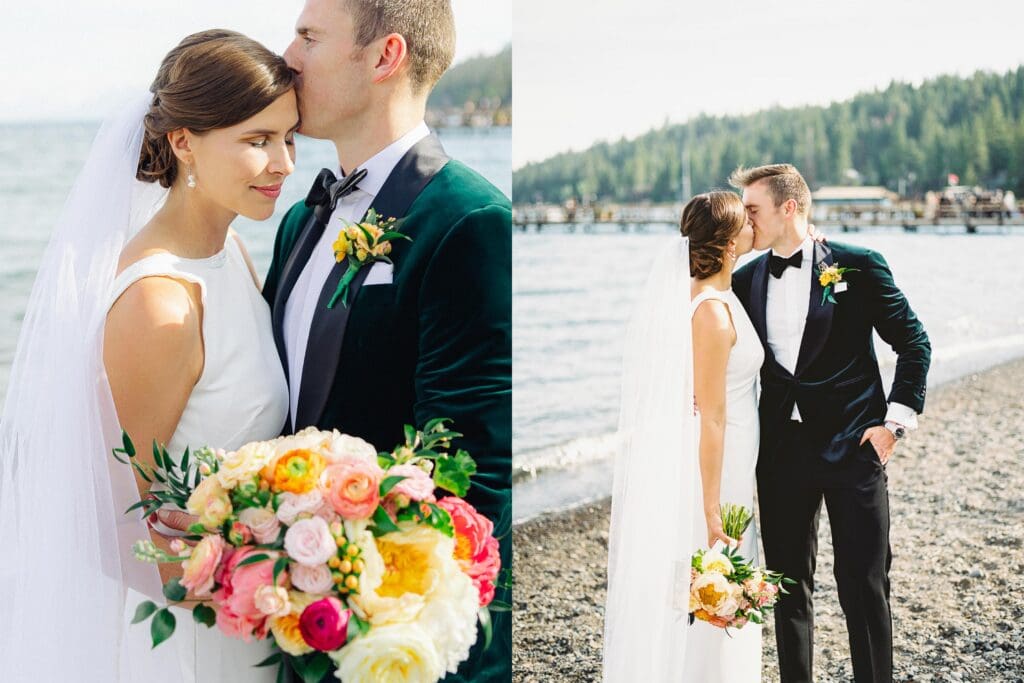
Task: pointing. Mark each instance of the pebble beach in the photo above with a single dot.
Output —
(956, 489)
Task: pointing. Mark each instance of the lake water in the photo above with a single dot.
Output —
(573, 294)
(42, 160)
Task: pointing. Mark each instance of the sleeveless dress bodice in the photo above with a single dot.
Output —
(242, 394)
(711, 655)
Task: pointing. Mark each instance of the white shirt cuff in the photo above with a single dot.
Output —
(902, 415)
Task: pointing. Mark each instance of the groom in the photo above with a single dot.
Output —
(827, 429)
(430, 337)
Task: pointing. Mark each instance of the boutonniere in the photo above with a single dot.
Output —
(831, 278)
(362, 244)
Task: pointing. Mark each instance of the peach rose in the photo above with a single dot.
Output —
(272, 601)
(352, 487)
(202, 565)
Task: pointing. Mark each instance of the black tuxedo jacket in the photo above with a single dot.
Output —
(837, 385)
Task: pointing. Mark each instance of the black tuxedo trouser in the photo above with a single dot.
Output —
(791, 483)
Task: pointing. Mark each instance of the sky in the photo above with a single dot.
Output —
(605, 69)
(71, 60)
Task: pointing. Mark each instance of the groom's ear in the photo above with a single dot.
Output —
(789, 208)
(392, 54)
(181, 144)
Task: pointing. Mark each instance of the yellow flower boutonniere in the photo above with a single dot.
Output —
(830, 278)
(362, 244)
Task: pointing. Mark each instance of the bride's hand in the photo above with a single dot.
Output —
(815, 235)
(713, 519)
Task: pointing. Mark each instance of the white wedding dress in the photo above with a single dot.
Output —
(241, 396)
(712, 656)
(657, 518)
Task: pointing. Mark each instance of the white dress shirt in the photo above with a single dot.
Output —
(786, 313)
(302, 302)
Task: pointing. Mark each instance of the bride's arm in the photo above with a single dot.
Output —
(713, 339)
(153, 354)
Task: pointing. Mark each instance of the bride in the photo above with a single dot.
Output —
(690, 427)
(146, 315)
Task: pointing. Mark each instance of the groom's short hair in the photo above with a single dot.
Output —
(428, 27)
(783, 182)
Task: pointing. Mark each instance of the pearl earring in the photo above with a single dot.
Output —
(191, 179)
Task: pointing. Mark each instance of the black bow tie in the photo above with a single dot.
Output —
(777, 265)
(327, 190)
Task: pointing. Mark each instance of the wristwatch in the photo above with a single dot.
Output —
(898, 430)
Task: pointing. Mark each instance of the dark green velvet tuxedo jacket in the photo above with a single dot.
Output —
(436, 342)
(837, 385)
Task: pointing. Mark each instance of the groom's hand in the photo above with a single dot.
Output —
(881, 440)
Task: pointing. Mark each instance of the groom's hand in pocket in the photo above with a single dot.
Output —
(881, 440)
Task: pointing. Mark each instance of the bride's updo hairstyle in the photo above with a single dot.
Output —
(212, 79)
(710, 220)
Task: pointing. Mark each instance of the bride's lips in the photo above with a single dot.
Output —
(272, 191)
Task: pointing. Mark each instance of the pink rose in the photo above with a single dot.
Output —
(202, 565)
(236, 597)
(324, 624)
(309, 542)
(263, 522)
(241, 628)
(476, 550)
(316, 580)
(352, 487)
(417, 484)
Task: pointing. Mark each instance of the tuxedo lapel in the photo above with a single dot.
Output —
(327, 331)
(759, 300)
(300, 253)
(819, 314)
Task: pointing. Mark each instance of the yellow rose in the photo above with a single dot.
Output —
(715, 594)
(361, 254)
(341, 245)
(210, 502)
(242, 465)
(397, 652)
(412, 576)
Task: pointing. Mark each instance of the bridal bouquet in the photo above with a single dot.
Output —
(341, 554)
(725, 589)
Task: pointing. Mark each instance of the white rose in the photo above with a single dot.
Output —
(263, 523)
(272, 601)
(310, 542)
(316, 580)
(242, 465)
(397, 652)
(210, 502)
(291, 505)
(716, 561)
(450, 616)
(345, 446)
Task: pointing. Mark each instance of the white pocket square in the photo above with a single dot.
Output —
(380, 274)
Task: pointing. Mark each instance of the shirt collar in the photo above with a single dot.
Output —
(379, 166)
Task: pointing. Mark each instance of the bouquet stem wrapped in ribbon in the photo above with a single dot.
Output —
(341, 555)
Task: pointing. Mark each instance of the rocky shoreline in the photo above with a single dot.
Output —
(956, 491)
